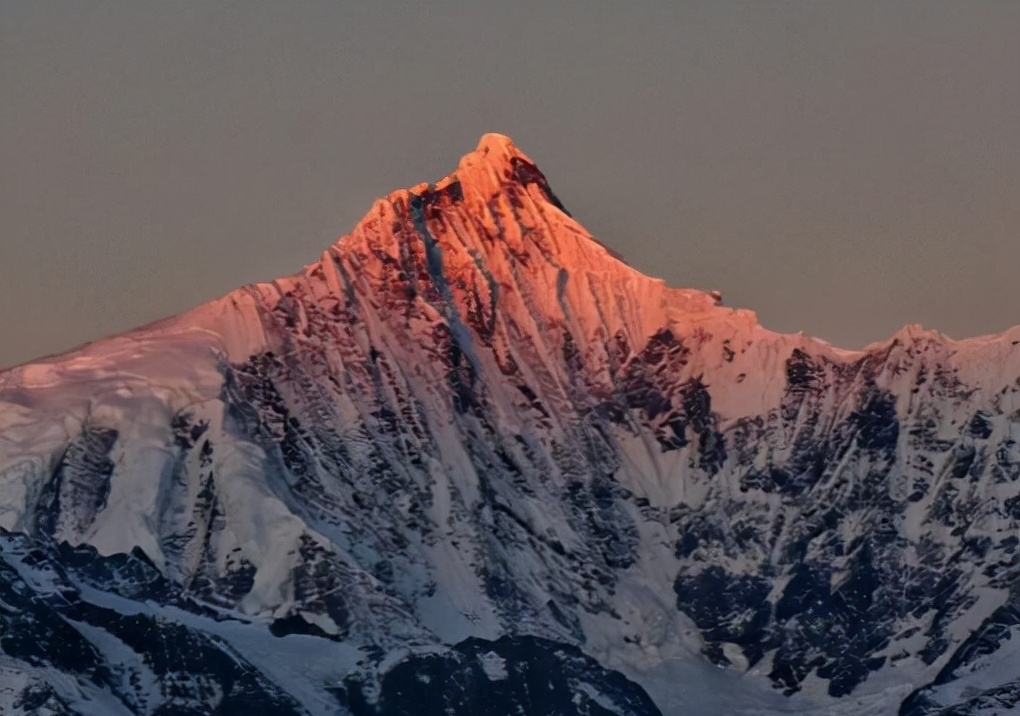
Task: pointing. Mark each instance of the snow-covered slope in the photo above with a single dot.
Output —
(471, 460)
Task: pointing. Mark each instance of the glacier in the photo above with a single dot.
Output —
(471, 462)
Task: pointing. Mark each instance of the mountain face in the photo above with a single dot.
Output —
(469, 462)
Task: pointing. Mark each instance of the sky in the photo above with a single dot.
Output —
(841, 168)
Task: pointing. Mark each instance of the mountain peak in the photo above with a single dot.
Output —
(469, 442)
(498, 145)
(494, 153)
(495, 164)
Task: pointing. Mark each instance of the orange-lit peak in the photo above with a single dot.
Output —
(495, 162)
(498, 149)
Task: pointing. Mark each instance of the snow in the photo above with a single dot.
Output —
(16, 676)
(494, 666)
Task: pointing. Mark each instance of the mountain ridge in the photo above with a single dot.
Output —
(488, 178)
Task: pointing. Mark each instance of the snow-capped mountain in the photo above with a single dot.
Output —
(470, 462)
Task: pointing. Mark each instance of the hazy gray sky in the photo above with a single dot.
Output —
(840, 168)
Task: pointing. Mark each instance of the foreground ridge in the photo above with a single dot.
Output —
(470, 457)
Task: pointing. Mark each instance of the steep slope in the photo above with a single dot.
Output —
(469, 449)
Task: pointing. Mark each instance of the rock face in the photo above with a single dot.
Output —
(469, 462)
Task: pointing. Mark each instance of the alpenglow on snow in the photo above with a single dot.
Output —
(469, 462)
